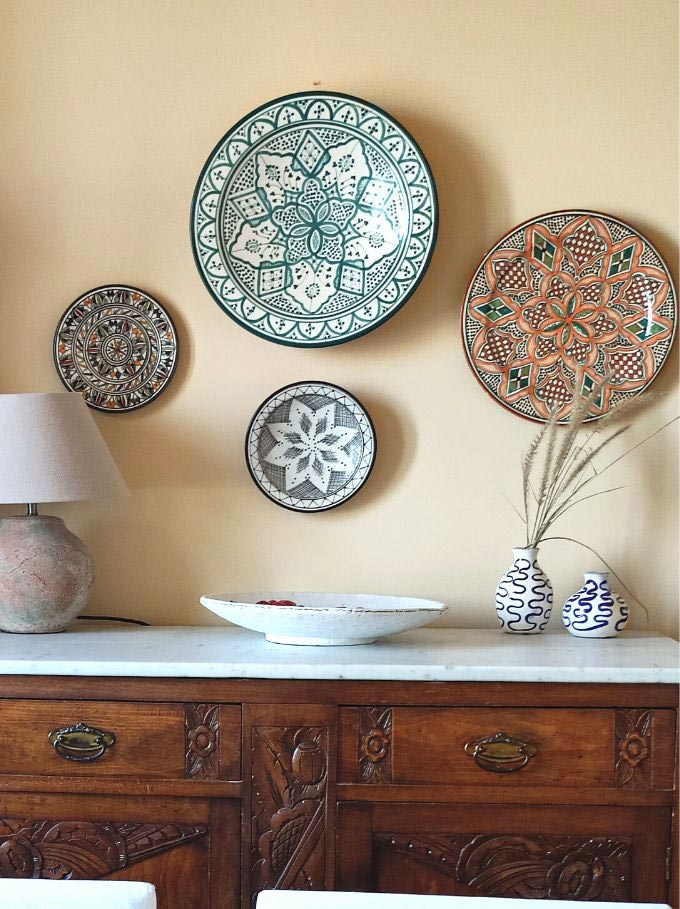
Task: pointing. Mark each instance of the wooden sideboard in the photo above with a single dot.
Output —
(215, 788)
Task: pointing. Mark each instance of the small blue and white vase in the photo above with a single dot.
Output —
(524, 595)
(595, 611)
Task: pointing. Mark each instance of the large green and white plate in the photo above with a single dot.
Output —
(314, 219)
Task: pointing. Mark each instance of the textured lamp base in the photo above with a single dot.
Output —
(46, 574)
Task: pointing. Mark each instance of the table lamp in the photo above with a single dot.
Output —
(50, 451)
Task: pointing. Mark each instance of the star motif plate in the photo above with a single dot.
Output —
(310, 446)
(563, 302)
(314, 219)
(117, 346)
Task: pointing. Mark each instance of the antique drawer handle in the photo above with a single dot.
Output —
(81, 742)
(500, 753)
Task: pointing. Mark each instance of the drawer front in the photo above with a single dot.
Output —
(580, 853)
(188, 848)
(103, 739)
(507, 746)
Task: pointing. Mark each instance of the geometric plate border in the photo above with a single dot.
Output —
(361, 471)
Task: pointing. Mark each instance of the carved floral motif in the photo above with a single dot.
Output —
(634, 748)
(61, 850)
(288, 807)
(538, 867)
(375, 745)
(202, 730)
(634, 743)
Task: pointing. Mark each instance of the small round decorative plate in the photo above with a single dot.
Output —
(310, 446)
(117, 346)
(563, 303)
(314, 219)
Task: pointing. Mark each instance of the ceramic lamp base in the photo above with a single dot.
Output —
(46, 574)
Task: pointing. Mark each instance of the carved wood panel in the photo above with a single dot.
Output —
(202, 741)
(375, 745)
(289, 771)
(60, 850)
(633, 748)
(533, 866)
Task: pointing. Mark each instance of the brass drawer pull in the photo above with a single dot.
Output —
(500, 753)
(81, 742)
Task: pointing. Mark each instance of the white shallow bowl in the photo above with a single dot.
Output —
(324, 619)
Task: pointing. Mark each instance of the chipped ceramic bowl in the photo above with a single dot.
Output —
(324, 619)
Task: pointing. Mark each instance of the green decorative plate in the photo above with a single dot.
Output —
(314, 219)
(566, 302)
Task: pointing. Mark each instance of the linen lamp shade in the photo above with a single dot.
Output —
(52, 451)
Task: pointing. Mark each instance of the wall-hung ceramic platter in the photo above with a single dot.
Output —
(310, 446)
(563, 302)
(314, 219)
(117, 346)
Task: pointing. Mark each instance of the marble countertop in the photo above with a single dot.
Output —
(427, 654)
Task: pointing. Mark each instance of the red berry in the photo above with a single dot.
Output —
(276, 603)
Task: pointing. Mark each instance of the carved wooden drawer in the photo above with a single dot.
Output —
(105, 739)
(507, 746)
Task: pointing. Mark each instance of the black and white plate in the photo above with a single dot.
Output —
(310, 446)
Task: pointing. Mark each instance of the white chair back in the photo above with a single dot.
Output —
(294, 899)
(30, 894)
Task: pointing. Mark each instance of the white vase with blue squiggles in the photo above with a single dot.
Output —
(524, 595)
(595, 611)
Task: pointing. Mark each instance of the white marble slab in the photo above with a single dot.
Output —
(427, 654)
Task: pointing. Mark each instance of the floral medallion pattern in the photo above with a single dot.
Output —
(117, 346)
(565, 302)
(375, 745)
(314, 219)
(310, 446)
(202, 741)
(634, 743)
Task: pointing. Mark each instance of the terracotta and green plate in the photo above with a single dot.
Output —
(566, 302)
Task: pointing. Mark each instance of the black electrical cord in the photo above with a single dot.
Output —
(114, 618)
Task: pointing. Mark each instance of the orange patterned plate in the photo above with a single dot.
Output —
(563, 302)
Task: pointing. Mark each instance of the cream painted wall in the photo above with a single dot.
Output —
(109, 110)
